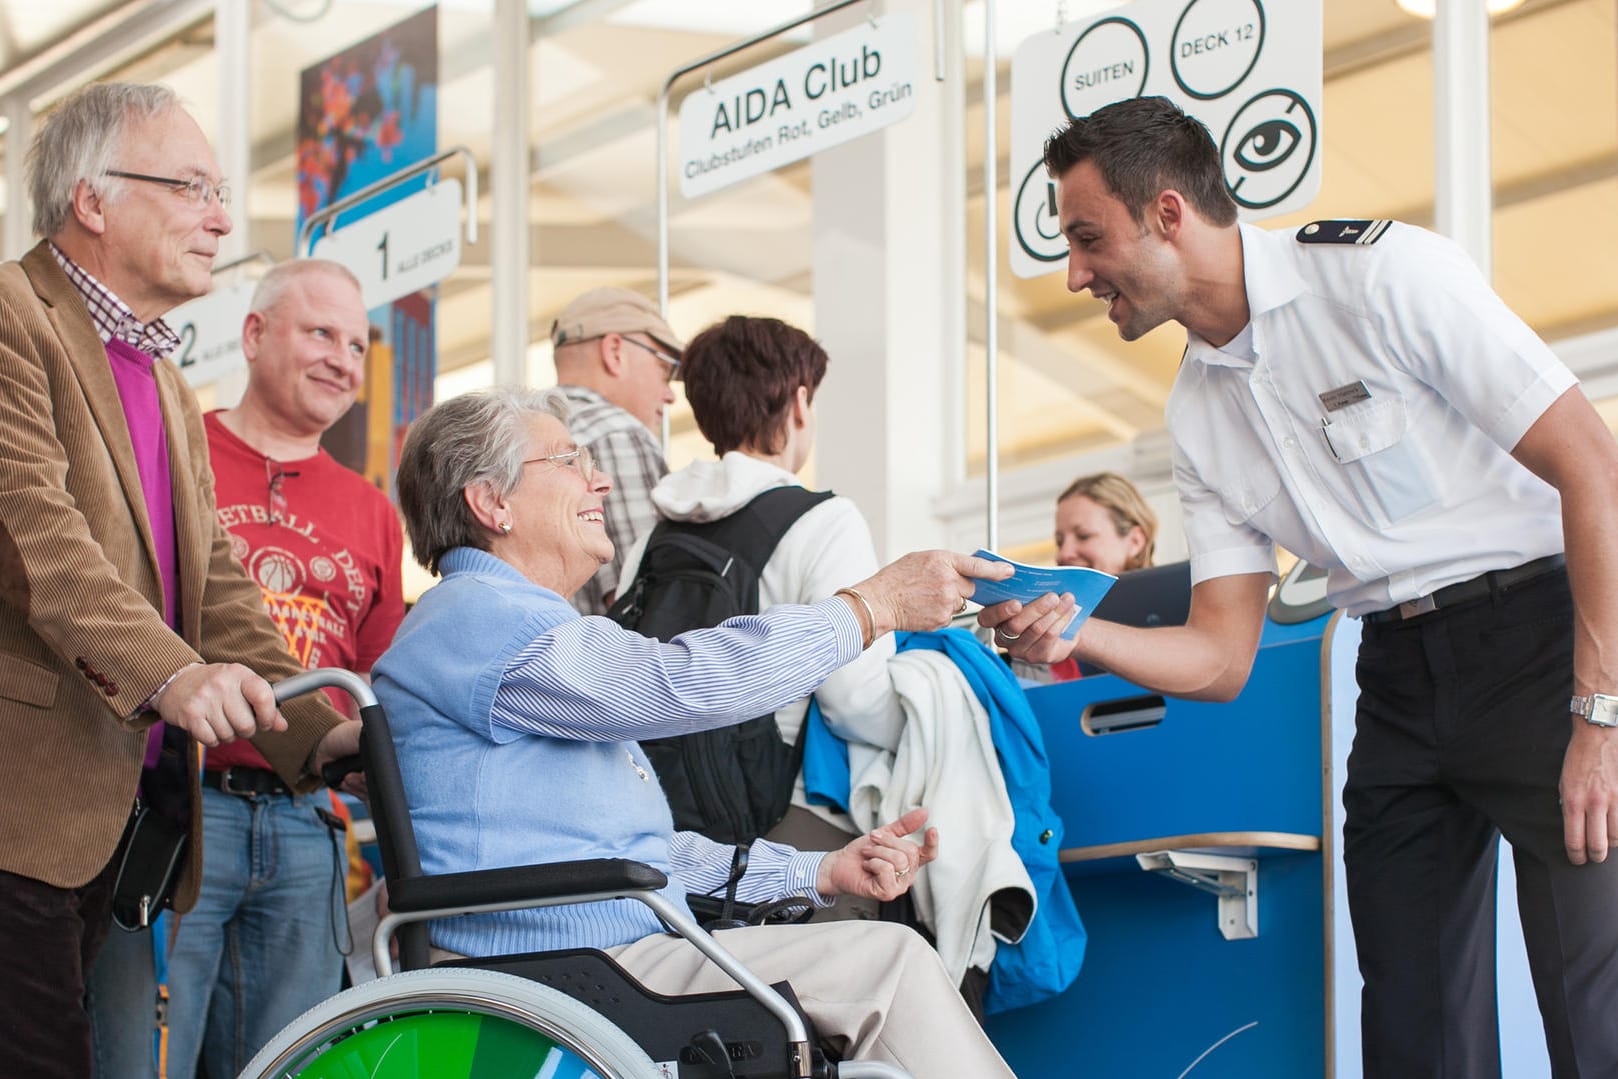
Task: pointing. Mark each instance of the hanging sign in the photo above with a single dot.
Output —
(402, 248)
(210, 329)
(1250, 71)
(839, 88)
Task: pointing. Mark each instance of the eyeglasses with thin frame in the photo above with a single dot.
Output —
(276, 475)
(197, 191)
(579, 458)
(671, 362)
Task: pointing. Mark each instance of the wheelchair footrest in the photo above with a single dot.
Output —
(664, 1026)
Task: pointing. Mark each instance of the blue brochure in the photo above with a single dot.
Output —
(1031, 582)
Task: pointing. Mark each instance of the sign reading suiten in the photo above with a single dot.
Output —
(1250, 71)
(837, 89)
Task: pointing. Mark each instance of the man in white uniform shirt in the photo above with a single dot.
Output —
(1356, 392)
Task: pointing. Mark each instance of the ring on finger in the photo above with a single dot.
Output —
(1010, 636)
(902, 872)
(962, 608)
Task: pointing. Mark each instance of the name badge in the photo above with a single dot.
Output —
(1343, 396)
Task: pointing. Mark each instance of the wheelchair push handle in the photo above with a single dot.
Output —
(334, 772)
(326, 678)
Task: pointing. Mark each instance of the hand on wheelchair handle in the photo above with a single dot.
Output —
(333, 772)
(337, 760)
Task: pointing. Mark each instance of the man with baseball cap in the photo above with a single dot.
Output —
(615, 358)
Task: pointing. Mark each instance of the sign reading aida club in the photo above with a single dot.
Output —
(834, 90)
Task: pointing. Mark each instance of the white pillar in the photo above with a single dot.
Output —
(19, 226)
(508, 183)
(889, 287)
(1463, 178)
(233, 63)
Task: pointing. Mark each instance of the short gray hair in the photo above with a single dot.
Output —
(478, 437)
(273, 286)
(78, 141)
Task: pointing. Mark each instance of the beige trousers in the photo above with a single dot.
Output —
(874, 989)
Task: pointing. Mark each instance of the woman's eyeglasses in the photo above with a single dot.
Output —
(578, 458)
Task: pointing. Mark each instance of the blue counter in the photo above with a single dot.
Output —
(1162, 989)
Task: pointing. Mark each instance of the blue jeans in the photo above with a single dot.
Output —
(259, 949)
(121, 997)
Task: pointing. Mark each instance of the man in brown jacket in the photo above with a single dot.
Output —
(120, 604)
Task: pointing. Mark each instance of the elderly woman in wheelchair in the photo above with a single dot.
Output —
(515, 723)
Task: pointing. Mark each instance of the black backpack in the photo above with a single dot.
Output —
(734, 783)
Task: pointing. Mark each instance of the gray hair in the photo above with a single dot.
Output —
(478, 437)
(273, 286)
(78, 141)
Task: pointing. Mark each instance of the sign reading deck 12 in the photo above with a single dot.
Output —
(1249, 70)
(837, 89)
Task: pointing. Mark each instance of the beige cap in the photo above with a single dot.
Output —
(612, 310)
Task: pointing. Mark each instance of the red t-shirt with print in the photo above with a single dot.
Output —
(324, 547)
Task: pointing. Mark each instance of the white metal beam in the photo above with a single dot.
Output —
(509, 196)
(102, 44)
(19, 228)
(233, 67)
(1463, 177)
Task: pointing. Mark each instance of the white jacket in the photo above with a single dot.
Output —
(946, 761)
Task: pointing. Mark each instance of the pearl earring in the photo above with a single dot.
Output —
(505, 527)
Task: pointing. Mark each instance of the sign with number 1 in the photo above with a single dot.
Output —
(403, 247)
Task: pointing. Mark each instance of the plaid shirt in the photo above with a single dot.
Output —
(112, 317)
(625, 450)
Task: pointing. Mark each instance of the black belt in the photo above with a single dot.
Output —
(245, 782)
(1469, 591)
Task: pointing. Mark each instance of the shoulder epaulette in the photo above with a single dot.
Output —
(1343, 232)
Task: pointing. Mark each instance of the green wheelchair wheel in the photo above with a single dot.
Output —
(451, 1023)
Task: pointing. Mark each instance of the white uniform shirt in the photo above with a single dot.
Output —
(1408, 487)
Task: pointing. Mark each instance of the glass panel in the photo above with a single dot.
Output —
(1554, 130)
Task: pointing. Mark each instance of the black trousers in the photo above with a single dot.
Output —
(49, 937)
(1461, 730)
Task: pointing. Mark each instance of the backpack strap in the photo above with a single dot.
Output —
(753, 532)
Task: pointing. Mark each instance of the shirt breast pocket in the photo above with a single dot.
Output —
(1389, 477)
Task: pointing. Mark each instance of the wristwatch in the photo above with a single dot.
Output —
(1598, 708)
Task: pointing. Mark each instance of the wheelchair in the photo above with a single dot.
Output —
(558, 1015)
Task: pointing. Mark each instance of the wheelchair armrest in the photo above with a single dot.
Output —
(516, 883)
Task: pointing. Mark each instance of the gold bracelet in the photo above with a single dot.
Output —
(869, 614)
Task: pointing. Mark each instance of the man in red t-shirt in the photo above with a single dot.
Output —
(325, 548)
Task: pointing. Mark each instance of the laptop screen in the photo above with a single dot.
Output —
(1154, 596)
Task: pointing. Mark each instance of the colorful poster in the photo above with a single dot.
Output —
(365, 114)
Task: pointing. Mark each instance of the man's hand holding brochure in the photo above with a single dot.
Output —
(1028, 583)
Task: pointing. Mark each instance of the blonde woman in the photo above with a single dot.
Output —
(1102, 522)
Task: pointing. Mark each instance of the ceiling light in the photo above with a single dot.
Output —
(1425, 8)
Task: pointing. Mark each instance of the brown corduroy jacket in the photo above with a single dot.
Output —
(82, 637)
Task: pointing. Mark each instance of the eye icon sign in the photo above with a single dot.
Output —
(1038, 228)
(1268, 148)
